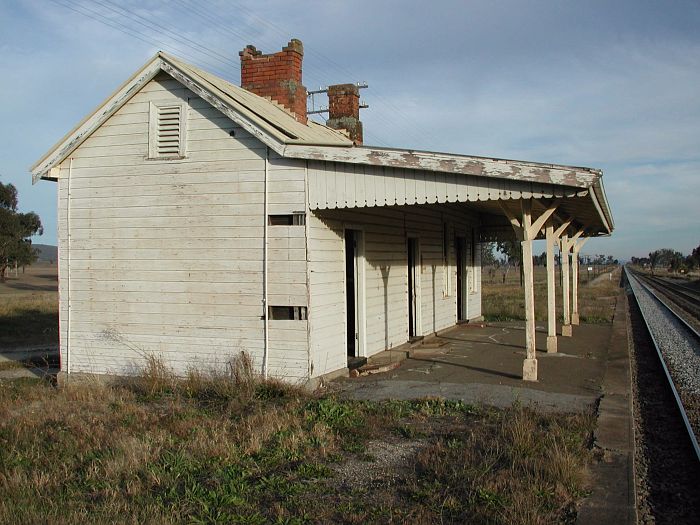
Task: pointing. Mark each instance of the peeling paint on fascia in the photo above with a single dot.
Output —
(88, 126)
(443, 163)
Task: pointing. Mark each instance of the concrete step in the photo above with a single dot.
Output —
(368, 369)
(356, 362)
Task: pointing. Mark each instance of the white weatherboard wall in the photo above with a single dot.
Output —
(164, 257)
(385, 230)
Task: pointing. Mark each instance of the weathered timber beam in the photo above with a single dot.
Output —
(562, 228)
(514, 221)
(539, 223)
(564, 247)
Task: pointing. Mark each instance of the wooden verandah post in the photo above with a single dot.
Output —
(576, 248)
(530, 363)
(566, 246)
(526, 231)
(552, 236)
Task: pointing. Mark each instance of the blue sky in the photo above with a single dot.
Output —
(611, 85)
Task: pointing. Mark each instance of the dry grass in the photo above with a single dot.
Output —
(226, 447)
(504, 302)
(518, 467)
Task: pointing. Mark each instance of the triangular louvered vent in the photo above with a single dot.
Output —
(168, 135)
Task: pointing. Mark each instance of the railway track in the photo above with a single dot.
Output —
(685, 297)
(665, 365)
(686, 291)
(678, 348)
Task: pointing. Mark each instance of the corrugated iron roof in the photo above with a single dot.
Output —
(267, 114)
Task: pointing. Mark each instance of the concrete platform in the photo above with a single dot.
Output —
(613, 499)
(484, 364)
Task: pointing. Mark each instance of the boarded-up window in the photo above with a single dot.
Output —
(292, 219)
(287, 313)
(167, 130)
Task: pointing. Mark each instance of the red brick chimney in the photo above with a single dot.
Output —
(276, 76)
(344, 110)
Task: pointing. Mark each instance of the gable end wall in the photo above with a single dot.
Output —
(164, 258)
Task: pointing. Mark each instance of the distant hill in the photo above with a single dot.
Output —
(47, 252)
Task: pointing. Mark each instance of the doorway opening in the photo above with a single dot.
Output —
(413, 250)
(354, 290)
(461, 249)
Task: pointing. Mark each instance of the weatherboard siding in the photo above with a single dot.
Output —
(326, 295)
(385, 231)
(166, 256)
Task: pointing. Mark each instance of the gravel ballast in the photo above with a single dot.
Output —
(679, 347)
(665, 464)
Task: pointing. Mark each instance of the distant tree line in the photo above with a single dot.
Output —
(669, 260)
(16, 230)
(511, 255)
(508, 254)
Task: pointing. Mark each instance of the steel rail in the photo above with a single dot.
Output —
(674, 288)
(679, 403)
(682, 300)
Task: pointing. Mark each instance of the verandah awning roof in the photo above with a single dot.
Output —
(370, 177)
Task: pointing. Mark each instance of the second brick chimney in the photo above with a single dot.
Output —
(276, 76)
(344, 110)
